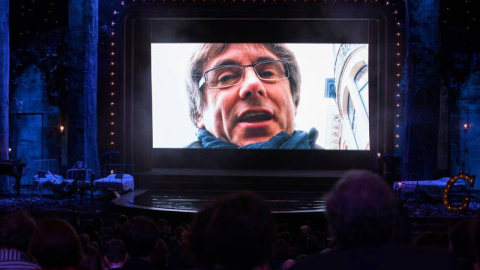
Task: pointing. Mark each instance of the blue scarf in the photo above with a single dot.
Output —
(299, 140)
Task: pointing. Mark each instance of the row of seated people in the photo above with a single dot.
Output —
(237, 231)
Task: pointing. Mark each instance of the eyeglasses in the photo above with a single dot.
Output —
(229, 75)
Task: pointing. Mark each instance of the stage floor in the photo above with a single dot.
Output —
(418, 203)
(192, 201)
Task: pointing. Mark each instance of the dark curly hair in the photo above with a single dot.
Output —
(55, 244)
(235, 231)
(16, 229)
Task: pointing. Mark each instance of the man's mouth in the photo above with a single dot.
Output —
(254, 117)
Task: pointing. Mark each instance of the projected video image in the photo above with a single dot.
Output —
(260, 96)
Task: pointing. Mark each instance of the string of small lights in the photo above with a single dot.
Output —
(118, 5)
(449, 185)
(112, 87)
(398, 69)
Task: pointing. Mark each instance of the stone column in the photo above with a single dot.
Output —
(422, 90)
(4, 79)
(82, 84)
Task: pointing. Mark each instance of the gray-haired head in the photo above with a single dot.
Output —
(208, 51)
(361, 210)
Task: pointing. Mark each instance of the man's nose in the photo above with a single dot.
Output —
(252, 85)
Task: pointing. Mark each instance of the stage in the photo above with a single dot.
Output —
(187, 190)
(192, 201)
(166, 192)
(421, 200)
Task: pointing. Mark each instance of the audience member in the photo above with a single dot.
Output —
(330, 244)
(281, 250)
(55, 245)
(361, 210)
(179, 258)
(84, 239)
(432, 240)
(301, 241)
(165, 228)
(185, 226)
(286, 235)
(322, 239)
(283, 227)
(305, 231)
(160, 255)
(235, 231)
(140, 236)
(177, 236)
(288, 264)
(300, 258)
(75, 222)
(280, 254)
(460, 243)
(119, 226)
(94, 235)
(313, 245)
(362, 214)
(476, 242)
(166, 234)
(98, 224)
(91, 259)
(16, 229)
(402, 230)
(163, 225)
(115, 254)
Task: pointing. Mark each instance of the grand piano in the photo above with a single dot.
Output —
(13, 168)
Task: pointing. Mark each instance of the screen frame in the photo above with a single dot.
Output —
(138, 32)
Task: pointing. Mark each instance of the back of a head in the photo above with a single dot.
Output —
(98, 223)
(286, 236)
(461, 235)
(475, 240)
(115, 251)
(75, 222)
(122, 219)
(140, 236)
(361, 210)
(305, 231)
(235, 232)
(92, 259)
(55, 244)
(162, 225)
(16, 229)
(429, 239)
(177, 233)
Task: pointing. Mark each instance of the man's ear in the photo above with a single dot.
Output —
(200, 123)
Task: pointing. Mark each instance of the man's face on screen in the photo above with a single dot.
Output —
(253, 110)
